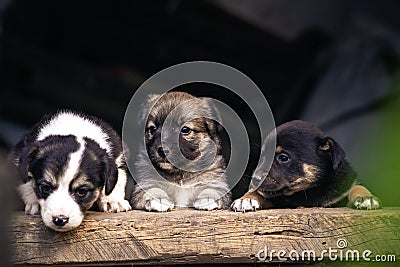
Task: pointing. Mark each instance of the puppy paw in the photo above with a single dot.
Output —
(366, 203)
(114, 205)
(206, 203)
(245, 204)
(32, 208)
(159, 204)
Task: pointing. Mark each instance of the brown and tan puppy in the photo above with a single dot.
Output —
(163, 185)
(309, 170)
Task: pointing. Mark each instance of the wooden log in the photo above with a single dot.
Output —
(197, 237)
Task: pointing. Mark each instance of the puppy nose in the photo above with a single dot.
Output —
(60, 220)
(162, 151)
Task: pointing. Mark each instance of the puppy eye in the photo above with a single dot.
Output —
(185, 130)
(152, 129)
(282, 158)
(45, 188)
(81, 192)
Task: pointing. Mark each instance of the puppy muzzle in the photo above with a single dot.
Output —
(272, 188)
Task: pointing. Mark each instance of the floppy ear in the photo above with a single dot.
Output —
(336, 153)
(213, 126)
(146, 106)
(110, 174)
(28, 153)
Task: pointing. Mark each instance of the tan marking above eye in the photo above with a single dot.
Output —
(49, 177)
(80, 181)
(149, 131)
(150, 124)
(278, 149)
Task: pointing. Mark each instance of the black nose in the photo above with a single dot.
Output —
(162, 151)
(60, 220)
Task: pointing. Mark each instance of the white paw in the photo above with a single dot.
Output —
(246, 204)
(32, 208)
(367, 203)
(159, 204)
(206, 203)
(114, 205)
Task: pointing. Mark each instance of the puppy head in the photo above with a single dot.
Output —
(304, 158)
(194, 131)
(68, 175)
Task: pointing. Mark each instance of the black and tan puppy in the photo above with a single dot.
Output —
(161, 184)
(309, 170)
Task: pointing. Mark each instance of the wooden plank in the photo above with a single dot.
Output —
(198, 237)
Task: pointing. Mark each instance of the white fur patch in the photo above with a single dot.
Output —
(68, 123)
(184, 195)
(73, 165)
(29, 197)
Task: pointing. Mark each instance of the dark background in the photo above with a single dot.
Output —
(313, 60)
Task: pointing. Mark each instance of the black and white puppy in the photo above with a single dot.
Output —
(67, 162)
(309, 170)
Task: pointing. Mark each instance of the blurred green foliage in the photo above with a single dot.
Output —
(380, 158)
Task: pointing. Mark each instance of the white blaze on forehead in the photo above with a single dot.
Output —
(68, 123)
(74, 163)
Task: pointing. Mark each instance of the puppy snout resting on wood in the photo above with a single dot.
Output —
(67, 162)
(309, 170)
(178, 124)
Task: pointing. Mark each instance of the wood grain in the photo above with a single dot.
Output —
(198, 237)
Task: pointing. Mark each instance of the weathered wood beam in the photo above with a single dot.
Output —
(198, 237)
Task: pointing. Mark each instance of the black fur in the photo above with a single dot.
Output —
(49, 155)
(97, 163)
(303, 143)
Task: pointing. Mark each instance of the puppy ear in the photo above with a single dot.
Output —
(213, 126)
(146, 106)
(110, 173)
(27, 155)
(336, 153)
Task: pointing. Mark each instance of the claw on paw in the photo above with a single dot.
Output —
(115, 206)
(159, 204)
(246, 204)
(367, 203)
(206, 203)
(32, 208)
